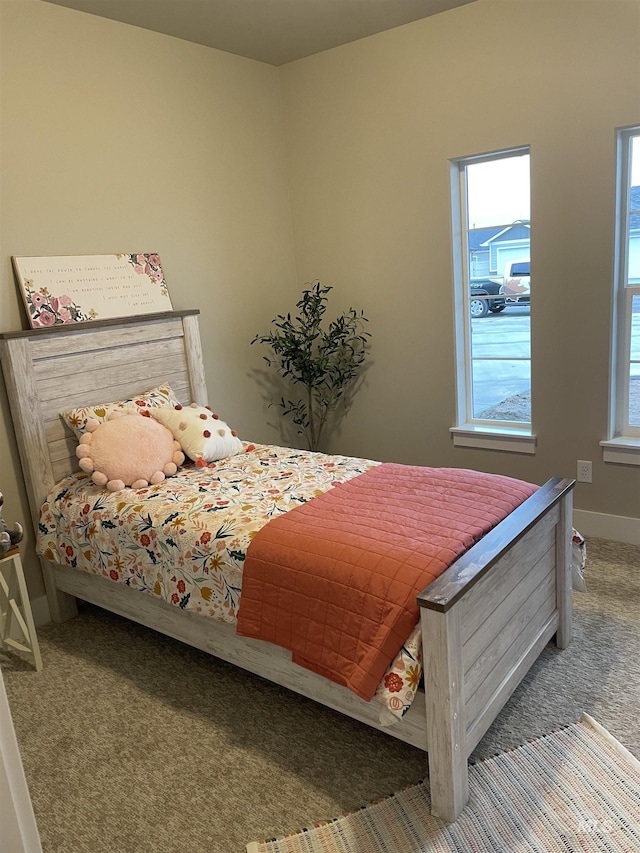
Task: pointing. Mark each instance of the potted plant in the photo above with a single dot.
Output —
(322, 361)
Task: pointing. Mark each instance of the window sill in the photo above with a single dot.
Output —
(624, 451)
(498, 438)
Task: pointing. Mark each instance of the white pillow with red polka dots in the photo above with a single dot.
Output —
(202, 435)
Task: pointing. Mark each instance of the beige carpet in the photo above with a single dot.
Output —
(572, 791)
(135, 743)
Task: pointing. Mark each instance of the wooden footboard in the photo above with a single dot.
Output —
(484, 622)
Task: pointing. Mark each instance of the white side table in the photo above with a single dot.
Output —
(17, 629)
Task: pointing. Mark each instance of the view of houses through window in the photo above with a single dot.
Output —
(493, 324)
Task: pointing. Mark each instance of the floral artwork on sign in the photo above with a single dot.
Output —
(47, 310)
(77, 289)
(149, 264)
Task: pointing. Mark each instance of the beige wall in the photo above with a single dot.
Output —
(115, 139)
(370, 129)
(119, 139)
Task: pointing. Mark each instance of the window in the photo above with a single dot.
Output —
(491, 263)
(624, 444)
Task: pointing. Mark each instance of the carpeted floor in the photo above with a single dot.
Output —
(575, 790)
(135, 743)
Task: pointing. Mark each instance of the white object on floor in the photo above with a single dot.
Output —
(18, 828)
(578, 561)
(17, 629)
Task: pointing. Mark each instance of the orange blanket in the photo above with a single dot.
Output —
(335, 580)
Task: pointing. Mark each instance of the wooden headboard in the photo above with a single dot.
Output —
(49, 370)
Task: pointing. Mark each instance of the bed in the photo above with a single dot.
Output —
(508, 595)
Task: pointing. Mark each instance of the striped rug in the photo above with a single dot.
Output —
(577, 789)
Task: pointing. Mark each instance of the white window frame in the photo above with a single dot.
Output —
(623, 444)
(469, 431)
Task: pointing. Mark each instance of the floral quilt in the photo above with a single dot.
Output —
(185, 540)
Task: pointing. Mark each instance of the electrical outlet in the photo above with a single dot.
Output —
(584, 471)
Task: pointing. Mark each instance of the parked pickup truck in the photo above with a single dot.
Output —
(484, 297)
(515, 285)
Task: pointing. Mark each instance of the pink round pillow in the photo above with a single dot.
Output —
(128, 450)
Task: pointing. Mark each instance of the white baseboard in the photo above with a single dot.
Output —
(617, 528)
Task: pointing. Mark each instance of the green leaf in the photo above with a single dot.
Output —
(326, 360)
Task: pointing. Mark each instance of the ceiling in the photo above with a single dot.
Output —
(272, 31)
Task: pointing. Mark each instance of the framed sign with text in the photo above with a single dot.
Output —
(78, 289)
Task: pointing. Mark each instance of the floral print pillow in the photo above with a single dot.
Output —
(76, 419)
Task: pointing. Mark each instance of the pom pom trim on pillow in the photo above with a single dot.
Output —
(202, 435)
(76, 419)
(128, 450)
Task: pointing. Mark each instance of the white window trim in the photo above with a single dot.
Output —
(623, 445)
(624, 451)
(509, 437)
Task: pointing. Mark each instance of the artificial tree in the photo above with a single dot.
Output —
(324, 360)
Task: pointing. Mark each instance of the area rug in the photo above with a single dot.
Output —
(576, 790)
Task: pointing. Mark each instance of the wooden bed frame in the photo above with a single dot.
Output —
(484, 621)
